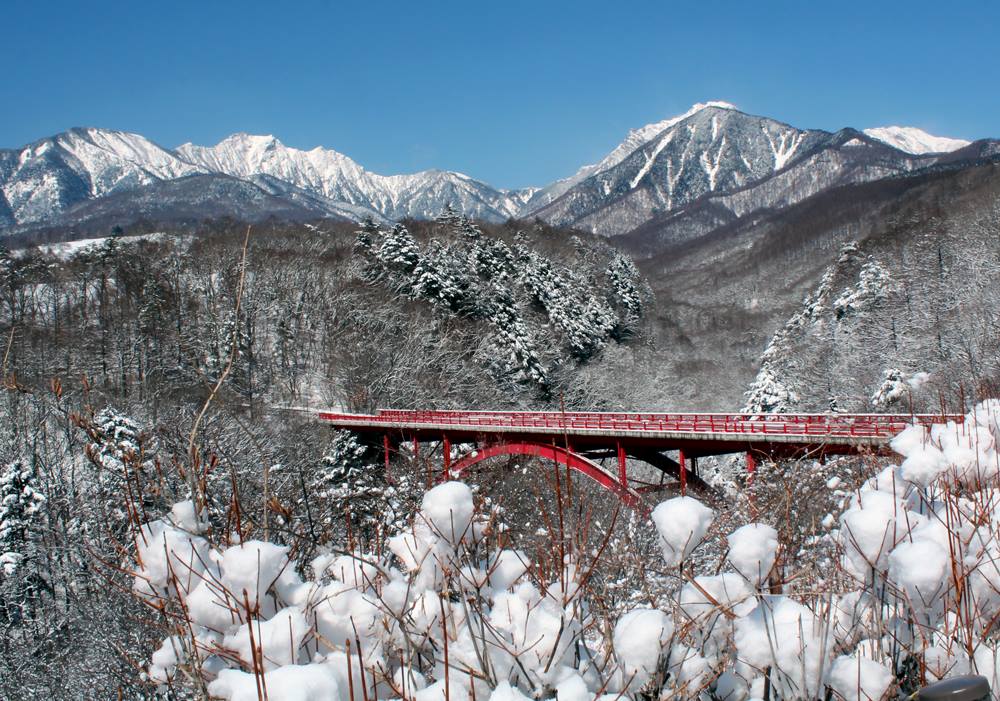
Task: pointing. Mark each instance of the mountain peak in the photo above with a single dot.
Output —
(914, 140)
(650, 130)
(242, 138)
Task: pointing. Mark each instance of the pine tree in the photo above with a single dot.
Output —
(624, 277)
(516, 352)
(398, 250)
(584, 320)
(349, 486)
(435, 279)
(20, 504)
(449, 217)
(116, 450)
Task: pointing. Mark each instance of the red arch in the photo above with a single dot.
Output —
(630, 497)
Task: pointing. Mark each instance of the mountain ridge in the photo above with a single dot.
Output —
(709, 150)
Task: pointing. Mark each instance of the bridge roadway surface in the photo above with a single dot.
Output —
(578, 439)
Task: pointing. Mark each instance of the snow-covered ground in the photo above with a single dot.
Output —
(68, 249)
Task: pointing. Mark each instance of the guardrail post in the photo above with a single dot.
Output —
(971, 687)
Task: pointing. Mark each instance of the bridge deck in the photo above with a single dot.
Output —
(696, 434)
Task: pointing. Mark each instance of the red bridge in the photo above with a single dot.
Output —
(580, 439)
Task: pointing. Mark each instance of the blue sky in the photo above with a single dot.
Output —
(514, 93)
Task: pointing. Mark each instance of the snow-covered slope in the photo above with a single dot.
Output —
(46, 177)
(711, 150)
(41, 182)
(916, 141)
(336, 177)
(723, 164)
(633, 140)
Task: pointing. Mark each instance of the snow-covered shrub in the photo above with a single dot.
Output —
(444, 611)
(895, 386)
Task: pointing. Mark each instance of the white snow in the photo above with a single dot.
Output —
(752, 551)
(914, 140)
(249, 569)
(681, 523)
(857, 678)
(639, 638)
(651, 158)
(788, 637)
(712, 165)
(788, 143)
(276, 641)
(448, 508)
(313, 682)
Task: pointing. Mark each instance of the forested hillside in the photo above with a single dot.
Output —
(827, 296)
(113, 347)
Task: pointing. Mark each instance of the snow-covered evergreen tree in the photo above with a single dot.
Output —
(584, 320)
(529, 300)
(769, 395)
(624, 279)
(434, 279)
(20, 503)
(398, 251)
(515, 349)
(349, 488)
(116, 451)
(449, 216)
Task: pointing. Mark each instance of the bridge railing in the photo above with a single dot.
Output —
(845, 425)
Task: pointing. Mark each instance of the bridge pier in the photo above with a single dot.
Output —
(385, 447)
(682, 461)
(751, 467)
(446, 448)
(622, 476)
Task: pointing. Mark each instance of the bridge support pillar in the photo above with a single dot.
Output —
(751, 467)
(622, 476)
(385, 448)
(682, 461)
(446, 449)
(416, 449)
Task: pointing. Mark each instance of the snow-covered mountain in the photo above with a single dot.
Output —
(739, 163)
(42, 183)
(335, 176)
(633, 140)
(42, 179)
(916, 141)
(711, 153)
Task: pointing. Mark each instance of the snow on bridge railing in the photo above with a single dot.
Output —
(845, 425)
